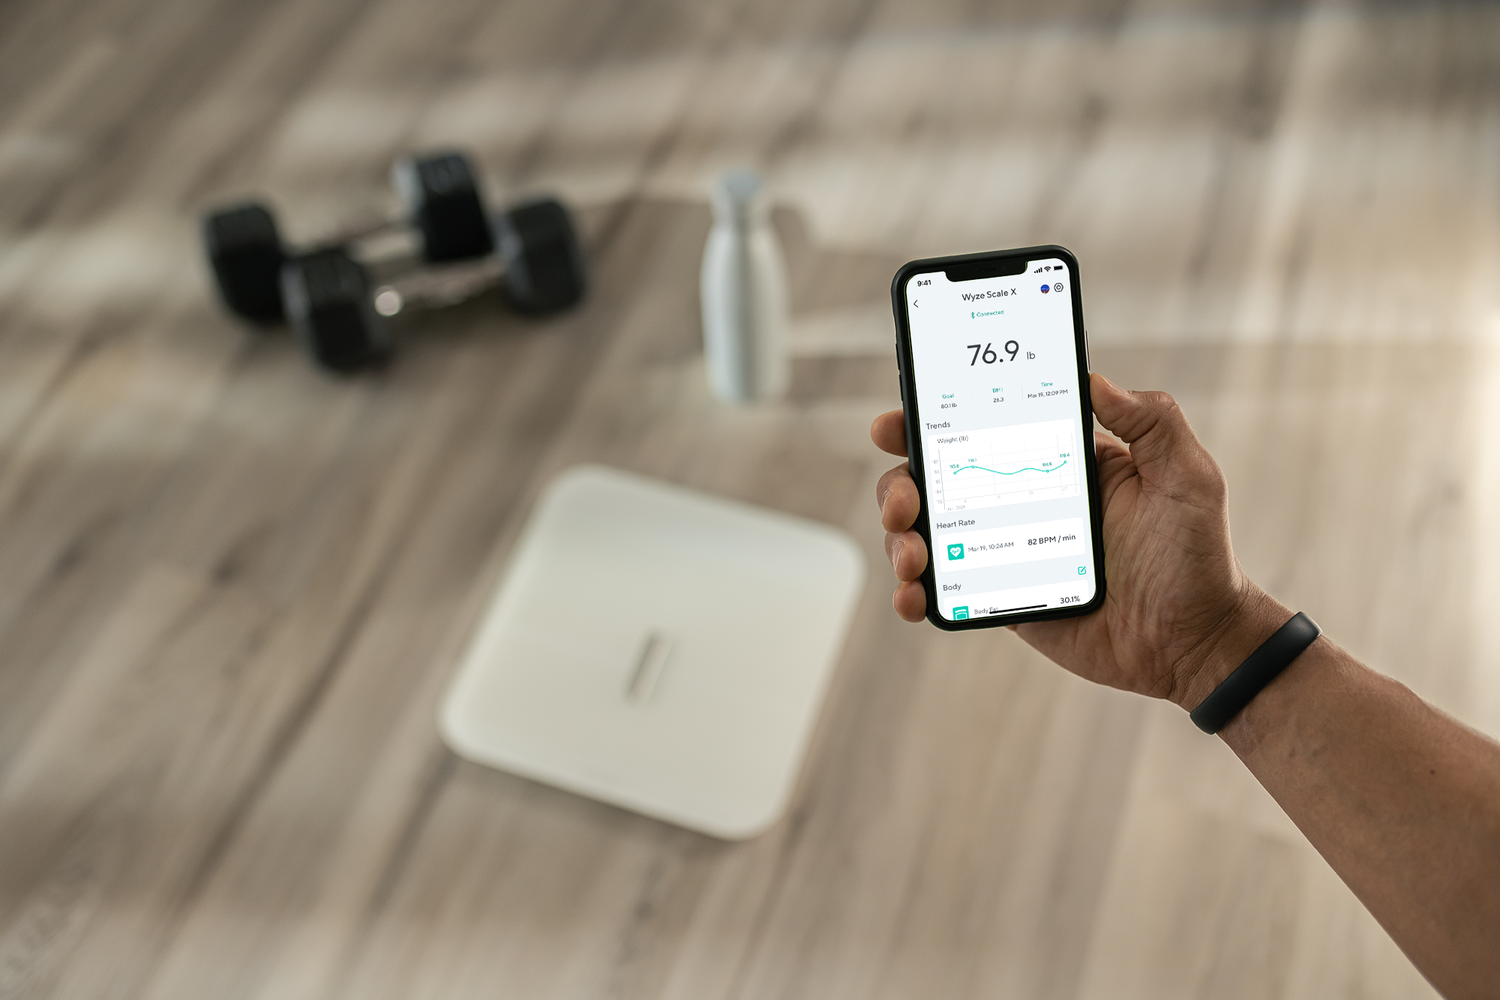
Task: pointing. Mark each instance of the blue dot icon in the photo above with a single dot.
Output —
(1046, 288)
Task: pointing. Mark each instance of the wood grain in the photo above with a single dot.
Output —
(231, 589)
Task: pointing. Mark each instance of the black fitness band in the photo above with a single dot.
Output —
(1259, 669)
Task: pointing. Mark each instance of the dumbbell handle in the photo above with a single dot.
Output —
(373, 242)
(434, 287)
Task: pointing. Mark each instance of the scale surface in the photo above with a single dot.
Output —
(659, 649)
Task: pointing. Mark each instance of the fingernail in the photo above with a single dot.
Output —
(896, 553)
(882, 499)
(1106, 381)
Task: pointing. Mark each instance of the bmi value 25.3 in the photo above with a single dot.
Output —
(988, 354)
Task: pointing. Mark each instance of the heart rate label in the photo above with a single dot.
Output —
(1013, 544)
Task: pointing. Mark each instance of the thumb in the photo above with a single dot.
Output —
(1150, 422)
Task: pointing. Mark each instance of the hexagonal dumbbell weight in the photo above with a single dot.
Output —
(245, 251)
(328, 302)
(330, 295)
(441, 194)
(543, 262)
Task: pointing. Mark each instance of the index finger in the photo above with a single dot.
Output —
(889, 432)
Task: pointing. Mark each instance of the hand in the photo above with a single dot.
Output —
(1179, 612)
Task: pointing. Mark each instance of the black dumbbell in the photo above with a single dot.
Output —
(338, 294)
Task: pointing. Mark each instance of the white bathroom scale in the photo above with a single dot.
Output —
(657, 648)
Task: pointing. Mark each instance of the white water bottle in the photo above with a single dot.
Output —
(744, 295)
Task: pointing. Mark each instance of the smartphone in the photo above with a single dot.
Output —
(994, 366)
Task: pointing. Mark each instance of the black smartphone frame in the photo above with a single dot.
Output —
(974, 266)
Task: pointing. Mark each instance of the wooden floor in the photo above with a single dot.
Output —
(231, 589)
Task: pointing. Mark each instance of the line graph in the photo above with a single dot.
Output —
(999, 473)
(1002, 465)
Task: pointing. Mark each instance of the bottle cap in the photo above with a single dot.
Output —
(738, 196)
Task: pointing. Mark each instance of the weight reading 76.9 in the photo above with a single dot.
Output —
(987, 353)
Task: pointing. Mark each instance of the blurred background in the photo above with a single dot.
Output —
(232, 588)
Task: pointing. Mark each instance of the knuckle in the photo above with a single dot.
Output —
(1165, 408)
(1165, 416)
(1157, 400)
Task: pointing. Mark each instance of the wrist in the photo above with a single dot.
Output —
(1251, 621)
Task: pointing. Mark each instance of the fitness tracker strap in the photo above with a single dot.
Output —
(1259, 669)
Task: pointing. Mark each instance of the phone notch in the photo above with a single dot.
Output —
(997, 267)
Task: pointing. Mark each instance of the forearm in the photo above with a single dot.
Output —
(1402, 801)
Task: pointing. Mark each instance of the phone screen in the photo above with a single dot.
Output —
(1001, 419)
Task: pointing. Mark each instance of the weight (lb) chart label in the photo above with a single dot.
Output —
(1002, 465)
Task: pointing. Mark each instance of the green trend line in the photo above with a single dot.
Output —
(999, 473)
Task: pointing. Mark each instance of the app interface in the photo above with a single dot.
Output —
(996, 372)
